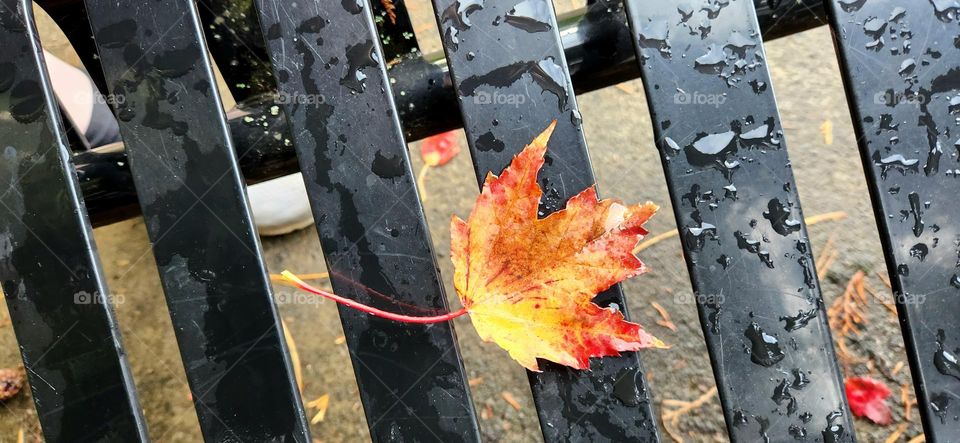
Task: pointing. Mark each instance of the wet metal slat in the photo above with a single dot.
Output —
(510, 75)
(721, 143)
(192, 197)
(427, 108)
(375, 240)
(54, 288)
(900, 67)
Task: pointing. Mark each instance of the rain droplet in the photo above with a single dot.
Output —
(530, 15)
(765, 348)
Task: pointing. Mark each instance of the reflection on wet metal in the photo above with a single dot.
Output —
(371, 225)
(721, 143)
(195, 210)
(54, 289)
(510, 75)
(899, 63)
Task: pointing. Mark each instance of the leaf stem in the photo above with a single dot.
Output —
(296, 281)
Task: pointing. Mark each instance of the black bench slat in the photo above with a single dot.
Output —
(427, 107)
(900, 67)
(718, 130)
(192, 197)
(511, 83)
(376, 243)
(54, 287)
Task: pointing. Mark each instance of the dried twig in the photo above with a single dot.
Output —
(674, 409)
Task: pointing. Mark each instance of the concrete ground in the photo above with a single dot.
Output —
(618, 129)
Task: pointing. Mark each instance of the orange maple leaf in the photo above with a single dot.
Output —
(527, 283)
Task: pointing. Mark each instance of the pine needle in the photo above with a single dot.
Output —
(294, 355)
(320, 404)
(883, 301)
(422, 182)
(826, 129)
(847, 315)
(827, 257)
(907, 402)
(897, 433)
(897, 368)
(664, 319)
(883, 278)
(508, 397)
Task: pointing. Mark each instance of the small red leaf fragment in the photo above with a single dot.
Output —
(867, 398)
(439, 149)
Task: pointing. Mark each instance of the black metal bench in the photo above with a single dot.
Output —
(728, 173)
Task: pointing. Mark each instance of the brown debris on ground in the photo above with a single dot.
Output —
(508, 397)
(391, 10)
(672, 410)
(664, 319)
(11, 382)
(847, 315)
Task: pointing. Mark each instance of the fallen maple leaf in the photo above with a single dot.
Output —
(867, 398)
(437, 150)
(528, 283)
